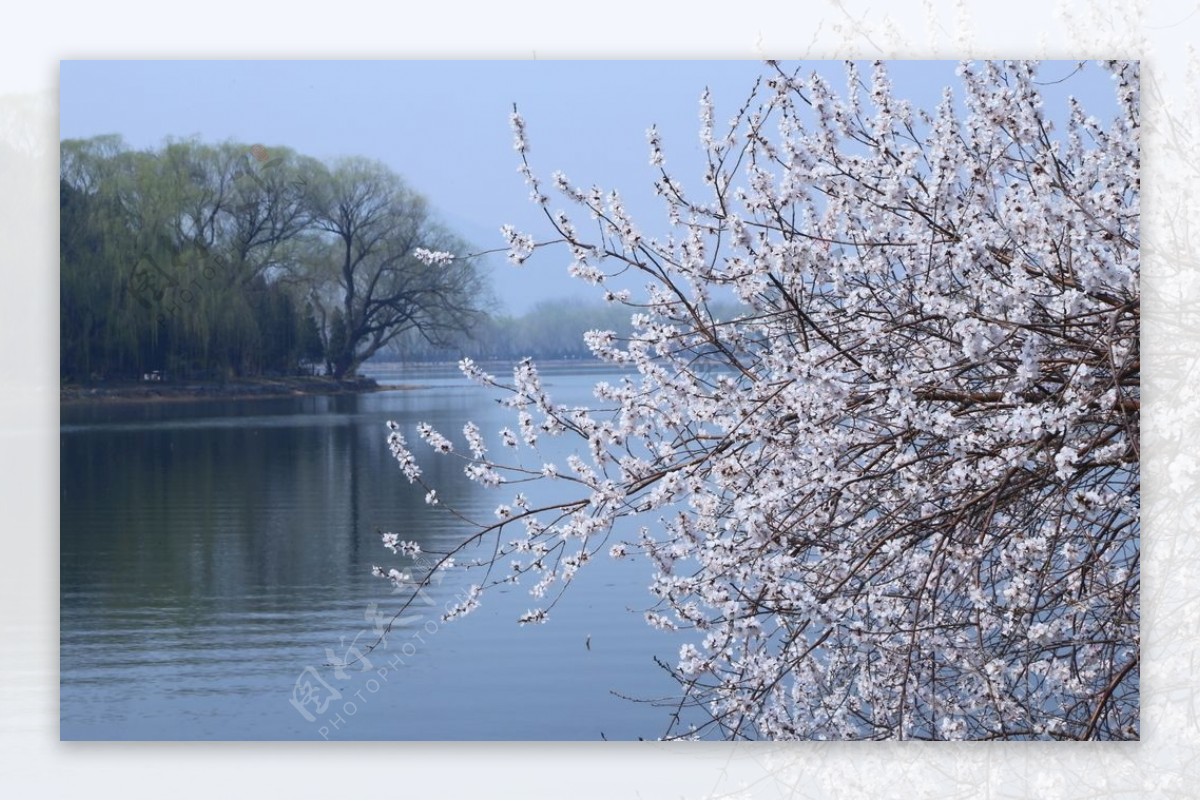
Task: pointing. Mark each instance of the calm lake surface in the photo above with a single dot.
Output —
(216, 556)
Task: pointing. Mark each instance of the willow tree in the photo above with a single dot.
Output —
(214, 259)
(898, 496)
(171, 257)
(114, 218)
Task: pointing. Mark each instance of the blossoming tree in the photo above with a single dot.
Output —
(897, 496)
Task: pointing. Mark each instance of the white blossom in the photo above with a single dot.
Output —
(433, 258)
(533, 616)
(896, 495)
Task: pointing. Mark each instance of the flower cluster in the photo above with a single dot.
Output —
(433, 258)
(520, 246)
(394, 544)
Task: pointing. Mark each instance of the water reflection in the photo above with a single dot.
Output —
(212, 552)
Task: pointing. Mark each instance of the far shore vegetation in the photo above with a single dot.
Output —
(228, 270)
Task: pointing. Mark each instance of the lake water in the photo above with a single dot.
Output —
(216, 555)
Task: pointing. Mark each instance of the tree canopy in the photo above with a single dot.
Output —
(905, 502)
(200, 260)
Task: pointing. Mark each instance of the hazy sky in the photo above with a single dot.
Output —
(444, 125)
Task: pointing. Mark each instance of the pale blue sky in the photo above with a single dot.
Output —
(443, 125)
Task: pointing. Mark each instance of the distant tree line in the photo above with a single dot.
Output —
(218, 261)
(552, 329)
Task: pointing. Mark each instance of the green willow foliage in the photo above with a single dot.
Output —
(218, 261)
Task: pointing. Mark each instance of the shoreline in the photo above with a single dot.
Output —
(240, 389)
(126, 391)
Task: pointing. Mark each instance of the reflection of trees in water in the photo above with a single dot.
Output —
(225, 512)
